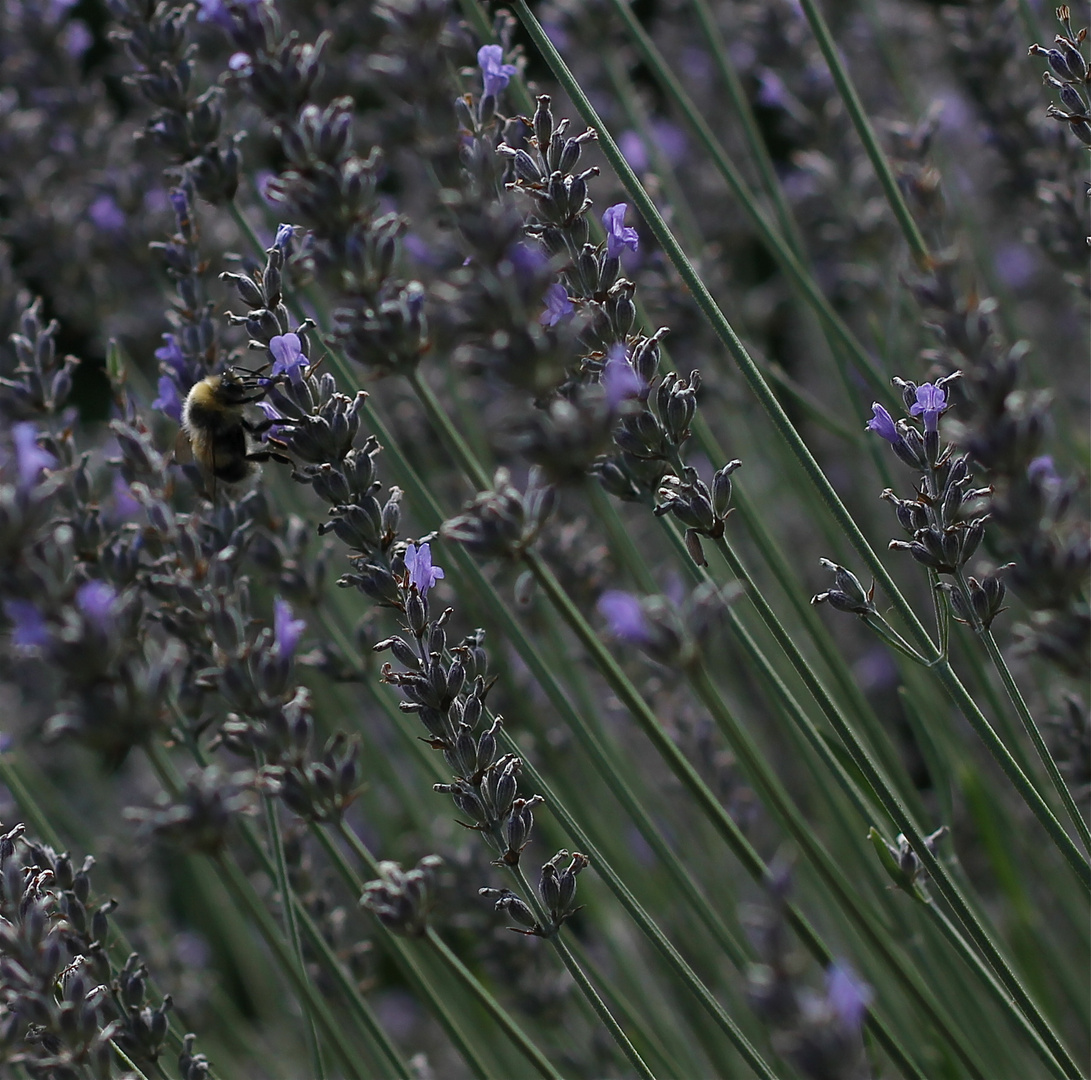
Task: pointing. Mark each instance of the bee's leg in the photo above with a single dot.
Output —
(269, 455)
(262, 426)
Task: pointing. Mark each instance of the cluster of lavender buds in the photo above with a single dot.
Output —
(401, 899)
(900, 860)
(186, 127)
(333, 193)
(1033, 508)
(446, 689)
(65, 1008)
(944, 539)
(1069, 76)
(556, 890)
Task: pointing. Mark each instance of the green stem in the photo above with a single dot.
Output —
(276, 845)
(780, 249)
(503, 1019)
(606, 1017)
(864, 130)
(988, 979)
(719, 818)
(1035, 735)
(243, 894)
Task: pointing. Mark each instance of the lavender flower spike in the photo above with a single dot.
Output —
(931, 402)
(418, 563)
(882, 423)
(495, 73)
(618, 235)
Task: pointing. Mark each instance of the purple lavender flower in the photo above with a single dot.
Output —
(931, 402)
(418, 563)
(271, 413)
(106, 215)
(288, 356)
(30, 458)
(618, 235)
(623, 615)
(125, 507)
(526, 261)
(215, 11)
(633, 150)
(557, 305)
(76, 38)
(286, 630)
(847, 995)
(495, 72)
(283, 238)
(883, 424)
(1042, 468)
(170, 353)
(179, 202)
(28, 628)
(96, 600)
(169, 401)
(619, 379)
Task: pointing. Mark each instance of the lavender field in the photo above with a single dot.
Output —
(546, 540)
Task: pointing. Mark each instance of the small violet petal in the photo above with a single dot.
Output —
(883, 424)
(557, 305)
(169, 401)
(286, 630)
(30, 458)
(28, 628)
(624, 615)
(618, 235)
(95, 600)
(496, 74)
(418, 563)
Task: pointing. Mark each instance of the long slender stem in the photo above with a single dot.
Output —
(864, 130)
(391, 1059)
(602, 1011)
(490, 1004)
(779, 800)
(1035, 734)
(287, 898)
(240, 889)
(998, 993)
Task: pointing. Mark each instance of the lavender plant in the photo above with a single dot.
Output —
(498, 329)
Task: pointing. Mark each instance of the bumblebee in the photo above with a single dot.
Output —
(217, 428)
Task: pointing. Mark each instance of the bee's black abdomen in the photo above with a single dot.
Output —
(229, 450)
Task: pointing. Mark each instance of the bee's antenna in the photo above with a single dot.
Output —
(251, 371)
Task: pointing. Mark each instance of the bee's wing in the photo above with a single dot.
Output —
(183, 448)
(199, 471)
